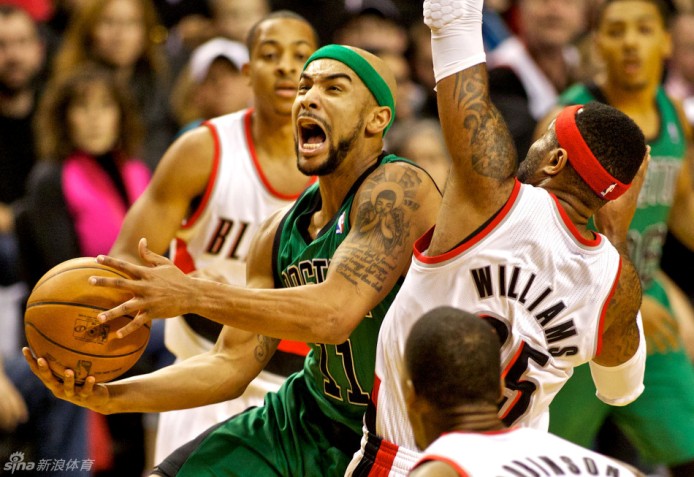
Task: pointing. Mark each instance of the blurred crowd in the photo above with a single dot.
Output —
(119, 80)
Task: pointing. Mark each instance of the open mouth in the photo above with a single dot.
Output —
(311, 135)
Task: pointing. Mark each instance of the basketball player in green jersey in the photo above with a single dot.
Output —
(335, 261)
(633, 41)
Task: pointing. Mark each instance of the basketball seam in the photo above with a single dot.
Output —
(50, 340)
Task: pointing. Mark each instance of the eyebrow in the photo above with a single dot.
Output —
(330, 77)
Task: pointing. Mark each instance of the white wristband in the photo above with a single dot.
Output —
(456, 35)
(622, 384)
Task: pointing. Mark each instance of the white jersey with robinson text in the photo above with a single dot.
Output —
(543, 287)
(520, 451)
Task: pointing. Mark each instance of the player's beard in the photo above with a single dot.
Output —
(336, 154)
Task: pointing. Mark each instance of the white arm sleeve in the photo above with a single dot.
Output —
(456, 35)
(620, 385)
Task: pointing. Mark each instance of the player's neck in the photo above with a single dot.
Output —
(630, 100)
(336, 185)
(272, 134)
(471, 418)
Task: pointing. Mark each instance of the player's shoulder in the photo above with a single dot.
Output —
(404, 171)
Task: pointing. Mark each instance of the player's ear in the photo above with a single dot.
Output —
(556, 161)
(378, 120)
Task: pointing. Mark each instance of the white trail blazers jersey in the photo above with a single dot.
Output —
(218, 234)
(543, 287)
(520, 451)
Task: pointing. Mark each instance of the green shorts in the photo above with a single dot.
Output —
(660, 423)
(287, 436)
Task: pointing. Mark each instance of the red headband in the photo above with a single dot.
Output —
(582, 159)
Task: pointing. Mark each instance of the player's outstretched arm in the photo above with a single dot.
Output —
(361, 273)
(484, 158)
(215, 376)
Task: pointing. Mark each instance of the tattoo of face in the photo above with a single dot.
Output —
(382, 227)
(493, 150)
(264, 348)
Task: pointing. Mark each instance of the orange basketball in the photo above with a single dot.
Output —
(61, 326)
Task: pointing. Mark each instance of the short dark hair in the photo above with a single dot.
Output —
(613, 138)
(664, 9)
(453, 357)
(252, 35)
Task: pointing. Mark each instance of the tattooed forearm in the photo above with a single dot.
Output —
(483, 129)
(365, 265)
(265, 347)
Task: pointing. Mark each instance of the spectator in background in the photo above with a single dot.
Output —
(119, 35)
(233, 19)
(375, 27)
(79, 192)
(527, 71)
(212, 84)
(680, 74)
(421, 140)
(21, 63)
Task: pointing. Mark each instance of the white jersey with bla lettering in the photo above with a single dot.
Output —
(217, 237)
(543, 287)
(519, 452)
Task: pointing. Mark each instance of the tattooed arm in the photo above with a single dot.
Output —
(484, 159)
(362, 271)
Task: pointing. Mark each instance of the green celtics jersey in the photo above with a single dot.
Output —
(340, 377)
(649, 225)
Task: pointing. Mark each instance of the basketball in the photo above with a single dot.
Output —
(60, 323)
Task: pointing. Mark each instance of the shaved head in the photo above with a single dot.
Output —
(381, 68)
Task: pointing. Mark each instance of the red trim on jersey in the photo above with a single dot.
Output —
(374, 391)
(572, 227)
(384, 459)
(190, 221)
(263, 178)
(423, 242)
(503, 378)
(298, 348)
(446, 460)
(182, 258)
(603, 312)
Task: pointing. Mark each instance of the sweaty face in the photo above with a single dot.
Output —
(21, 52)
(119, 35)
(280, 49)
(632, 41)
(328, 115)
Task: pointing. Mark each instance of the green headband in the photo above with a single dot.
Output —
(369, 76)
